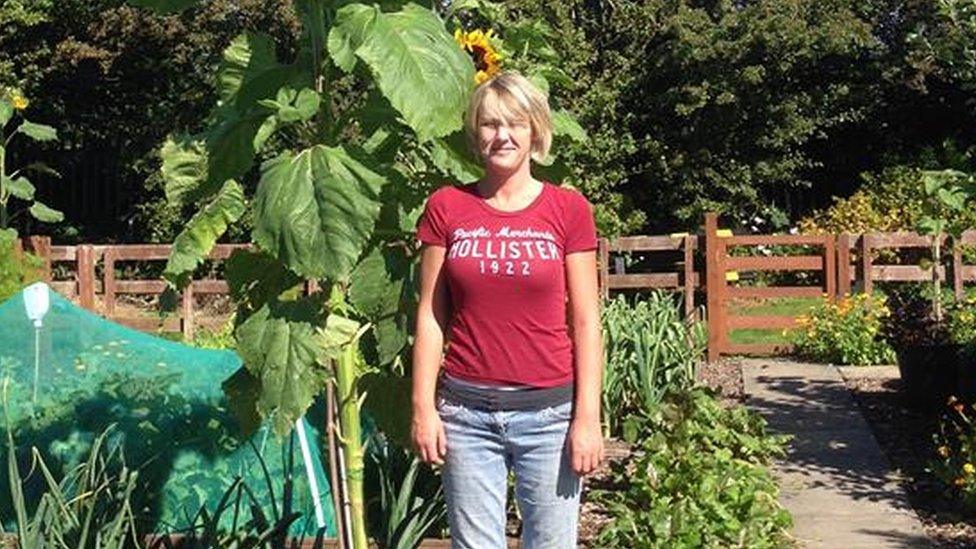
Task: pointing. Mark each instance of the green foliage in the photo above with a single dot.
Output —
(650, 350)
(149, 76)
(845, 332)
(698, 479)
(326, 239)
(278, 346)
(410, 500)
(955, 464)
(89, 507)
(257, 530)
(220, 338)
(14, 184)
(16, 270)
(710, 106)
(961, 323)
(416, 65)
(567, 49)
(945, 47)
(892, 200)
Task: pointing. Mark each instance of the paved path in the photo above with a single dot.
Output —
(835, 481)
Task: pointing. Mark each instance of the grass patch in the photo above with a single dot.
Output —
(780, 306)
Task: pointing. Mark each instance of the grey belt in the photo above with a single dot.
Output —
(494, 400)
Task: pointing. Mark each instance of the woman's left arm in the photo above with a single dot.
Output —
(585, 433)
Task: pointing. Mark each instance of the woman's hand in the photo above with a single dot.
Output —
(585, 445)
(427, 435)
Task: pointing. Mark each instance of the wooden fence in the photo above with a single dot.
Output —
(701, 267)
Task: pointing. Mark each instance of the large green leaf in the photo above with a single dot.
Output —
(420, 68)
(338, 333)
(231, 147)
(250, 71)
(20, 187)
(279, 346)
(197, 239)
(380, 291)
(248, 74)
(377, 283)
(164, 6)
(390, 334)
(563, 124)
(184, 168)
(256, 277)
(387, 396)
(351, 24)
(451, 155)
(316, 210)
(243, 391)
(45, 214)
(38, 132)
(291, 105)
(6, 112)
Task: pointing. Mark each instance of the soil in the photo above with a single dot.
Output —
(905, 436)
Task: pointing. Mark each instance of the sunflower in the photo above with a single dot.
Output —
(478, 44)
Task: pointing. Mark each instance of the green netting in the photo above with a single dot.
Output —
(166, 401)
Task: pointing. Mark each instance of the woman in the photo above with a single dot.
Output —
(520, 391)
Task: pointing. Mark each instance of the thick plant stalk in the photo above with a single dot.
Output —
(937, 282)
(351, 441)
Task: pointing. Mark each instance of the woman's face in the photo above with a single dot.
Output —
(505, 142)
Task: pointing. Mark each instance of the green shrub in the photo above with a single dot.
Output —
(650, 349)
(16, 270)
(889, 201)
(961, 321)
(89, 507)
(955, 465)
(845, 332)
(699, 479)
(219, 338)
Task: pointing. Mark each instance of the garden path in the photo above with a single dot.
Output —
(834, 480)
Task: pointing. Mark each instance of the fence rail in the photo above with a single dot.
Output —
(699, 266)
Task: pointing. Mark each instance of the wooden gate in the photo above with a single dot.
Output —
(718, 263)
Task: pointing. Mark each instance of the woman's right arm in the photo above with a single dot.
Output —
(433, 317)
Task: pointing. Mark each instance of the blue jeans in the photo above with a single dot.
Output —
(482, 447)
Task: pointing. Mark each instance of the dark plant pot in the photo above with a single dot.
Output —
(929, 373)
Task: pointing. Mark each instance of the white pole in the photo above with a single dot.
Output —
(313, 482)
(37, 361)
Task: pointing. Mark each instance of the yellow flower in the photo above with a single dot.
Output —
(944, 451)
(478, 44)
(968, 468)
(19, 102)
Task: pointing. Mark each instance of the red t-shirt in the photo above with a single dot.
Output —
(507, 280)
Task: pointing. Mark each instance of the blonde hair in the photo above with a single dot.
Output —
(513, 97)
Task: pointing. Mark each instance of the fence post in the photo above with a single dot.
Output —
(108, 281)
(830, 267)
(715, 286)
(957, 286)
(85, 275)
(689, 249)
(603, 251)
(865, 250)
(187, 312)
(41, 247)
(843, 264)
